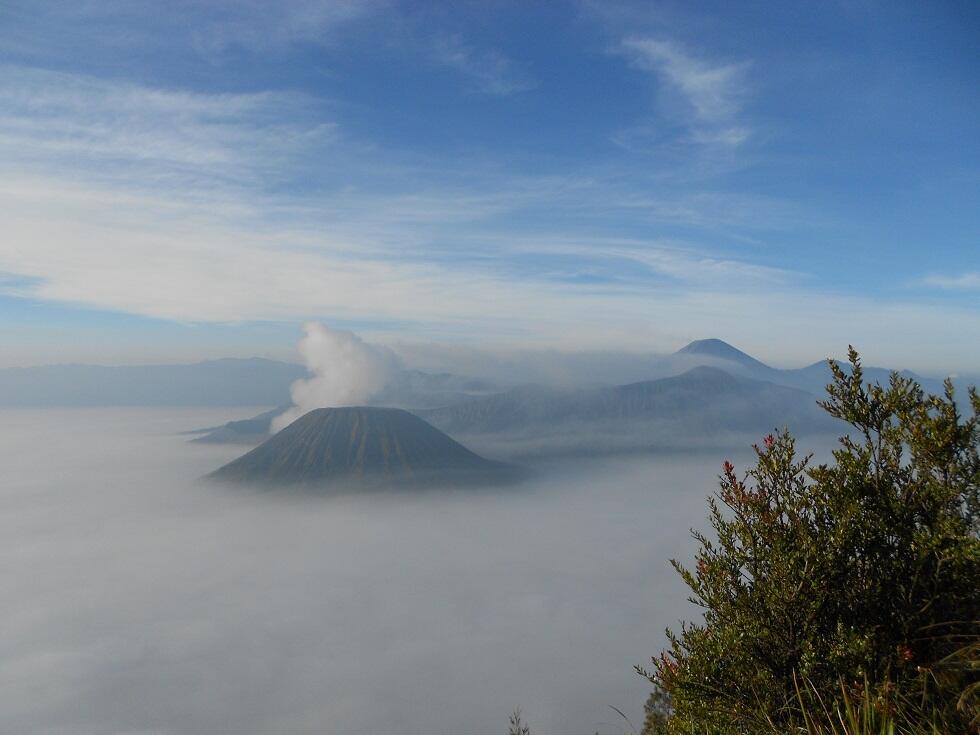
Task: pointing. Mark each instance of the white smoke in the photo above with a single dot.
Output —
(347, 371)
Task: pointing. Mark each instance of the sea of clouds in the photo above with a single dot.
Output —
(137, 599)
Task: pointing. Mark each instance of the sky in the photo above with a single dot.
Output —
(188, 180)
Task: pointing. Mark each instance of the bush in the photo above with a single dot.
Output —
(862, 573)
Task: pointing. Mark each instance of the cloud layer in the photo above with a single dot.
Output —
(136, 600)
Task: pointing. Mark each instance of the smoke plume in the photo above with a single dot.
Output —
(347, 371)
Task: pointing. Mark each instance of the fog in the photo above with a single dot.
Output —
(139, 600)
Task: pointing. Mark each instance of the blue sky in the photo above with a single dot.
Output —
(193, 179)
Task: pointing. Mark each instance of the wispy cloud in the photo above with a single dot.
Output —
(262, 26)
(487, 72)
(633, 263)
(141, 30)
(966, 281)
(54, 121)
(199, 207)
(712, 93)
(99, 248)
(177, 260)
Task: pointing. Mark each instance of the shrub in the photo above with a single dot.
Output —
(864, 572)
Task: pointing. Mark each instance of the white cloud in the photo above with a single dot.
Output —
(633, 261)
(970, 280)
(145, 136)
(712, 92)
(102, 249)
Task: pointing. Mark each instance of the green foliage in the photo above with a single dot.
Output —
(656, 712)
(864, 571)
(862, 712)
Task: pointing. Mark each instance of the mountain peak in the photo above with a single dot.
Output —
(360, 444)
(721, 350)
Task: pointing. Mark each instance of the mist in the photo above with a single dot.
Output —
(140, 599)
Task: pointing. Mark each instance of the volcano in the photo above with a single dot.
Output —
(721, 350)
(362, 446)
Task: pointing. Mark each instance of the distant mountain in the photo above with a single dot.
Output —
(718, 349)
(244, 431)
(700, 401)
(815, 377)
(812, 378)
(335, 447)
(703, 404)
(227, 382)
(260, 382)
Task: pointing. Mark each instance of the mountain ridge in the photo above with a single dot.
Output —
(717, 398)
(263, 382)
